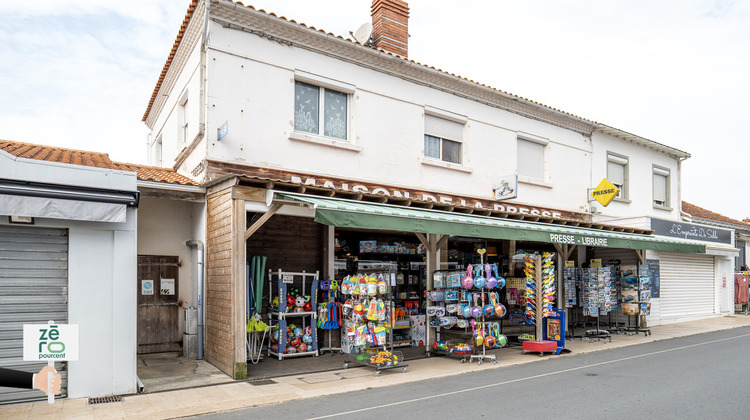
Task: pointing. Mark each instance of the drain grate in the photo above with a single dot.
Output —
(105, 400)
(263, 382)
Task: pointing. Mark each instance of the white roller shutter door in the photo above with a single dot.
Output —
(687, 285)
(33, 290)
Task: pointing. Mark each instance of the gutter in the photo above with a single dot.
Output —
(199, 292)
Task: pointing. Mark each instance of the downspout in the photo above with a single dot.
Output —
(199, 292)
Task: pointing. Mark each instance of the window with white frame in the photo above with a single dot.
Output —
(182, 120)
(617, 174)
(530, 158)
(661, 187)
(442, 139)
(320, 111)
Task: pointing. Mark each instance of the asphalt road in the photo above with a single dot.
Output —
(705, 376)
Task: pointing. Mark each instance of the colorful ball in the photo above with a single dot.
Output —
(307, 338)
(502, 340)
(500, 310)
(294, 342)
(302, 348)
(479, 282)
(491, 282)
(291, 349)
(489, 341)
(488, 310)
(298, 332)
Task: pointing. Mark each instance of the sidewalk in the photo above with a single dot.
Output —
(240, 394)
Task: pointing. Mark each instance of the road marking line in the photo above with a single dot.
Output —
(461, 391)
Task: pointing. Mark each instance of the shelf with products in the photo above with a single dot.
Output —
(370, 320)
(292, 318)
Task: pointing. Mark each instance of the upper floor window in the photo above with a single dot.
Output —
(321, 111)
(182, 117)
(661, 187)
(530, 157)
(617, 173)
(157, 152)
(442, 139)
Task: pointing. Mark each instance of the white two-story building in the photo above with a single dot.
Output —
(306, 140)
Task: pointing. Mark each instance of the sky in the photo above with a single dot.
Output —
(79, 73)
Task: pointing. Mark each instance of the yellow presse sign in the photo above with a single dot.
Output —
(604, 192)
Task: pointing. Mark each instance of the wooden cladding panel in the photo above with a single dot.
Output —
(219, 331)
(290, 243)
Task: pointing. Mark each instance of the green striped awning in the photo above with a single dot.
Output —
(365, 215)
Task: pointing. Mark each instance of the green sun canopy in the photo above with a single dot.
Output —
(365, 215)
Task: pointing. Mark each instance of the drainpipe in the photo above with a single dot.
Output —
(199, 245)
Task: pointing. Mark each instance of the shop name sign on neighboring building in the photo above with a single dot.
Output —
(691, 231)
(605, 192)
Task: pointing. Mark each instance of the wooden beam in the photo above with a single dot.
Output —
(641, 254)
(263, 219)
(424, 240)
(249, 193)
(443, 240)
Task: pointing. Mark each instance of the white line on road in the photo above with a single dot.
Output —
(377, 407)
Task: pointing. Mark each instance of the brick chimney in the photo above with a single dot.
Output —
(390, 26)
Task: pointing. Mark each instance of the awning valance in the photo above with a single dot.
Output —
(365, 215)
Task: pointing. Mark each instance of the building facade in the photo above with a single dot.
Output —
(256, 107)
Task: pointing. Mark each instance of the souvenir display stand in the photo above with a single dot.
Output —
(481, 286)
(329, 314)
(292, 315)
(636, 296)
(540, 295)
(369, 314)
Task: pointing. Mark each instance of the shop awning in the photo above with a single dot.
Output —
(365, 215)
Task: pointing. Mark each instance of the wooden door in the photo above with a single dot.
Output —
(158, 310)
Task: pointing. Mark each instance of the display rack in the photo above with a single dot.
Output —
(280, 285)
(540, 296)
(369, 311)
(480, 285)
(636, 296)
(596, 300)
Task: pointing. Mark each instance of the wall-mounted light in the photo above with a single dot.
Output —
(21, 220)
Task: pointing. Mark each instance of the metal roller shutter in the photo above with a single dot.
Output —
(33, 290)
(687, 285)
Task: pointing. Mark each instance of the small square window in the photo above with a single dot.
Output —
(313, 104)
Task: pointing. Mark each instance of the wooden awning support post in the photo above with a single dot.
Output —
(641, 254)
(263, 219)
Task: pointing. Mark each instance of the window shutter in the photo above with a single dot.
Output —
(616, 173)
(443, 128)
(530, 159)
(660, 188)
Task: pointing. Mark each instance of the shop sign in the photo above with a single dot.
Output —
(430, 197)
(571, 239)
(604, 192)
(691, 231)
(508, 188)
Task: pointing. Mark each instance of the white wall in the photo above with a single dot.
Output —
(164, 226)
(102, 301)
(167, 124)
(254, 93)
(640, 178)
